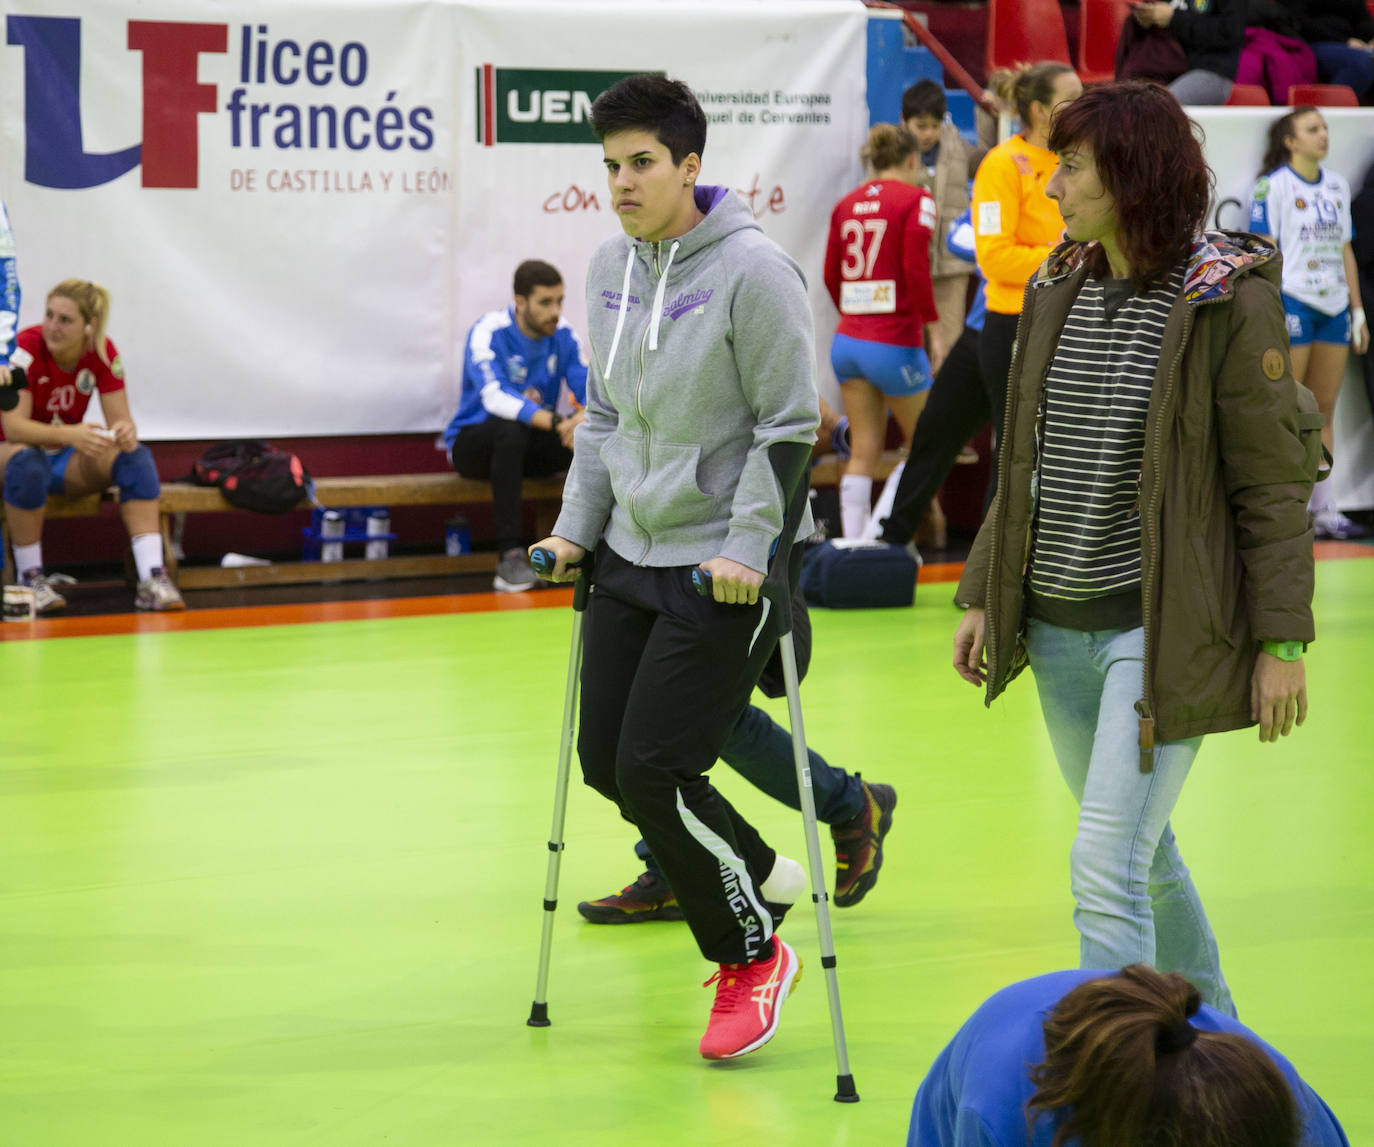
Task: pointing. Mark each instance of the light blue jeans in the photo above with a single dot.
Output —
(1134, 900)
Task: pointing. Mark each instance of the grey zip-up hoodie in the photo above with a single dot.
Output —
(702, 356)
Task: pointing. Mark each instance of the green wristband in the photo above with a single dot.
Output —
(1283, 650)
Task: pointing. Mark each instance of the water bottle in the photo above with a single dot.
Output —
(457, 536)
(20, 603)
(331, 526)
(378, 526)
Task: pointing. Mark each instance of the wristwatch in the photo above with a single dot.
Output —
(1284, 650)
(557, 418)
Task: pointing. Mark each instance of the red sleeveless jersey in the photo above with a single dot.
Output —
(877, 262)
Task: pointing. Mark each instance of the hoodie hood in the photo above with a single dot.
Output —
(724, 215)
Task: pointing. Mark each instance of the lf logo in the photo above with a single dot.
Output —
(54, 152)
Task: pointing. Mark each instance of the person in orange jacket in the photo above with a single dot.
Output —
(1015, 224)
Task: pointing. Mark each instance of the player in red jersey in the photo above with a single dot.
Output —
(877, 269)
(46, 447)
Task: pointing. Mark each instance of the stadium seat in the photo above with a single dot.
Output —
(1247, 95)
(1025, 32)
(1323, 96)
(1099, 26)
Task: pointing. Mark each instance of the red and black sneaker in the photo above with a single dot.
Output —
(649, 898)
(859, 845)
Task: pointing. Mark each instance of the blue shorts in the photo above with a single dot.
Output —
(895, 370)
(57, 479)
(1308, 325)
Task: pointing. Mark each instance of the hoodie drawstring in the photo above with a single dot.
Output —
(625, 303)
(624, 306)
(658, 297)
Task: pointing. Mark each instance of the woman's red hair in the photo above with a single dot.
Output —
(1149, 158)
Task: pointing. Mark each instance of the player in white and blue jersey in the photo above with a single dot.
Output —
(1305, 208)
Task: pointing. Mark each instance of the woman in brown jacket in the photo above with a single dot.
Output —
(1149, 552)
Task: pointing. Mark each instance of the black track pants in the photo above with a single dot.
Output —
(666, 675)
(505, 451)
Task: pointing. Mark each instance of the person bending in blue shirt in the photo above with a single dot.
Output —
(507, 426)
(1103, 1059)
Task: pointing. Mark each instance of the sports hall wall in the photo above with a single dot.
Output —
(300, 206)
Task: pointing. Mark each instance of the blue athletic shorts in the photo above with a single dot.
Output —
(895, 370)
(57, 480)
(1308, 325)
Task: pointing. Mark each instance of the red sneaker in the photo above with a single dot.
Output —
(749, 1002)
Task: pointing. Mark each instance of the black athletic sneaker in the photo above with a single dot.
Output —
(648, 898)
(859, 845)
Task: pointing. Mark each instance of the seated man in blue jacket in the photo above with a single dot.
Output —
(507, 427)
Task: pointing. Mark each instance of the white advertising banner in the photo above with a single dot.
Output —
(299, 209)
(782, 85)
(267, 198)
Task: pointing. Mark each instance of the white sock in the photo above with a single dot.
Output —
(147, 554)
(28, 558)
(874, 526)
(856, 500)
(785, 883)
(1320, 501)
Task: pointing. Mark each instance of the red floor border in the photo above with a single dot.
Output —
(310, 613)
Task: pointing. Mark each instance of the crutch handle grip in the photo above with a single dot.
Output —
(544, 561)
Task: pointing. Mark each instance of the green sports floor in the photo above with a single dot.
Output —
(279, 884)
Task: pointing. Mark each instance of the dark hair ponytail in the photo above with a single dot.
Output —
(1276, 151)
(1123, 1065)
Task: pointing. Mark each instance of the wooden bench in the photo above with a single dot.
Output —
(439, 489)
(827, 469)
(388, 490)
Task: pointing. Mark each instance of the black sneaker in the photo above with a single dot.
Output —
(859, 845)
(648, 898)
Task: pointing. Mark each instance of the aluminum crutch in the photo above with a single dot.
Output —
(543, 561)
(789, 461)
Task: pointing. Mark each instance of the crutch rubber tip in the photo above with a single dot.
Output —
(844, 1089)
(539, 1018)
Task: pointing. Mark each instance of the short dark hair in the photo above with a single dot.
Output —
(1124, 1065)
(652, 102)
(1160, 203)
(924, 97)
(535, 273)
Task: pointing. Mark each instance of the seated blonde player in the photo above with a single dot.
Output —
(47, 449)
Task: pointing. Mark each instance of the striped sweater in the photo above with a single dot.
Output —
(1085, 556)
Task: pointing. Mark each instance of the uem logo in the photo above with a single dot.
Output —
(538, 105)
(262, 111)
(54, 153)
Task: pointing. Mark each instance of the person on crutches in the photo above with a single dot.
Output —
(702, 356)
